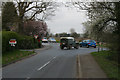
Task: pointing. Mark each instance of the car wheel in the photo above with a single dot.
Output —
(77, 47)
(87, 46)
(94, 46)
(80, 45)
(62, 47)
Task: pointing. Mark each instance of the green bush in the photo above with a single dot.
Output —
(57, 41)
(6, 36)
(23, 42)
(27, 42)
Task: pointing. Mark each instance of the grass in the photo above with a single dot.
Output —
(102, 45)
(110, 67)
(14, 55)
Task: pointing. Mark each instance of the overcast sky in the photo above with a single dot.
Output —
(66, 18)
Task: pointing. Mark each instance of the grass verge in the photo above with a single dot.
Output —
(12, 56)
(110, 67)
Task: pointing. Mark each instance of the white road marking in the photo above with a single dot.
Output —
(44, 65)
(27, 78)
(54, 57)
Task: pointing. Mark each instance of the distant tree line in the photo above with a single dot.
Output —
(75, 35)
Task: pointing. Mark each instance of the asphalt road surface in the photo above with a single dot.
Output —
(50, 63)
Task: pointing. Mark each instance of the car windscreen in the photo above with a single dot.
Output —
(63, 40)
(52, 39)
(44, 38)
(66, 40)
(92, 41)
(70, 40)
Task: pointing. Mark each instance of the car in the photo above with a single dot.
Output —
(44, 40)
(88, 43)
(52, 40)
(68, 42)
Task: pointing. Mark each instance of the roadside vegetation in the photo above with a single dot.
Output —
(104, 27)
(110, 66)
(23, 42)
(15, 55)
(23, 28)
(103, 24)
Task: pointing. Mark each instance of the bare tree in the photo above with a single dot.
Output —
(31, 9)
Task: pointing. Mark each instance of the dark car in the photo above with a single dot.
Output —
(88, 43)
(68, 42)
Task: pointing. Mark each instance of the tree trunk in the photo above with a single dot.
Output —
(101, 46)
(117, 9)
(21, 26)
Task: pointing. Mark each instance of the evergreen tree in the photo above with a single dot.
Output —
(9, 15)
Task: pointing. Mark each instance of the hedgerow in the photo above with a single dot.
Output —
(23, 42)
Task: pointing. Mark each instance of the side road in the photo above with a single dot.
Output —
(46, 47)
(89, 67)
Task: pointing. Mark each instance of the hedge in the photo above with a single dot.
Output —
(27, 42)
(23, 42)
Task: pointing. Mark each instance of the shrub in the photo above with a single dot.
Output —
(27, 42)
(23, 42)
(6, 36)
(57, 41)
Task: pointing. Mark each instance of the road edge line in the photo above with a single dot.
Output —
(35, 53)
(79, 70)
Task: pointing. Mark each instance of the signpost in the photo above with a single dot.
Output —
(13, 42)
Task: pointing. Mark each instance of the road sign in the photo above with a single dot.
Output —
(12, 42)
(36, 36)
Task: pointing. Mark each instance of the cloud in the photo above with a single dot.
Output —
(66, 19)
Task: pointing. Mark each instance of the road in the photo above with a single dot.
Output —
(50, 63)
